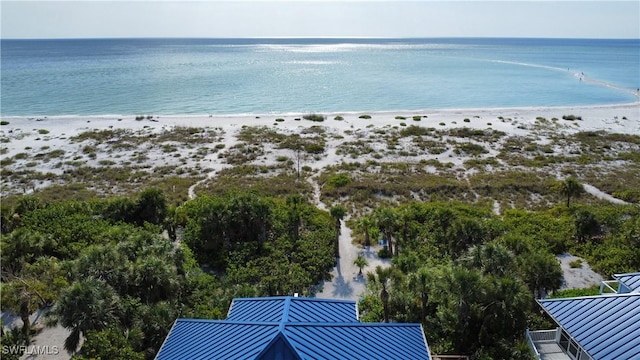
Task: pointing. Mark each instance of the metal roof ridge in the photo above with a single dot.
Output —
(285, 313)
(231, 322)
(588, 297)
(261, 298)
(342, 301)
(295, 298)
(352, 324)
(627, 274)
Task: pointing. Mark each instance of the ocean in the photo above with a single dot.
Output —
(266, 76)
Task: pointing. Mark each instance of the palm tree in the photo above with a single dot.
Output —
(382, 277)
(420, 282)
(87, 305)
(360, 262)
(364, 225)
(294, 202)
(386, 220)
(338, 212)
(570, 188)
(20, 297)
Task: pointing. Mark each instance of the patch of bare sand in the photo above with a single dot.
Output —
(581, 277)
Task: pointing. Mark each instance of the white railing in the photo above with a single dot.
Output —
(540, 336)
(536, 354)
(449, 357)
(543, 335)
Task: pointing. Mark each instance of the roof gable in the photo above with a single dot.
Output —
(279, 349)
(607, 327)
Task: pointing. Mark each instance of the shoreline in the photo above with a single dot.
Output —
(42, 117)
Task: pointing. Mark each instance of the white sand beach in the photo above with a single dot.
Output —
(29, 136)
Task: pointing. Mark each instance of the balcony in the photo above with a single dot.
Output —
(545, 345)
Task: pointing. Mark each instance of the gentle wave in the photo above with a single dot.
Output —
(344, 47)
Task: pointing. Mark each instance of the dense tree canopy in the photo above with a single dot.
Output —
(117, 272)
(471, 277)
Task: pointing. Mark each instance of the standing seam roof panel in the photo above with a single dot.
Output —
(260, 311)
(631, 280)
(606, 326)
(331, 330)
(378, 342)
(615, 338)
(630, 349)
(306, 311)
(215, 340)
(582, 329)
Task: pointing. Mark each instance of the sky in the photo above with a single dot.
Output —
(329, 18)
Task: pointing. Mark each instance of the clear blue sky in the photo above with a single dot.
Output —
(516, 18)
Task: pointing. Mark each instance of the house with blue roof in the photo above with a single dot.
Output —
(293, 328)
(602, 327)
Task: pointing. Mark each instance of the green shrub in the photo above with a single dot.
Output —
(339, 180)
(414, 130)
(314, 117)
(417, 118)
(470, 149)
(576, 264)
(364, 116)
(339, 118)
(569, 293)
(400, 117)
(384, 253)
(279, 119)
(43, 131)
(466, 120)
(314, 148)
(571, 117)
(4, 122)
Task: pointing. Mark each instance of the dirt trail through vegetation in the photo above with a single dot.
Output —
(346, 283)
(602, 195)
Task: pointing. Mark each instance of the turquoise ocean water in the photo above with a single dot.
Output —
(262, 76)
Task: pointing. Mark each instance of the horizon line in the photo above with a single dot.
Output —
(315, 38)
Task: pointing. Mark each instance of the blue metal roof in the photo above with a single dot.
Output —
(293, 328)
(631, 281)
(211, 339)
(299, 309)
(358, 341)
(607, 327)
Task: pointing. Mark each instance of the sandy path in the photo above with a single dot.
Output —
(48, 343)
(346, 283)
(602, 195)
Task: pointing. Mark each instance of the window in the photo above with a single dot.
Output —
(564, 341)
